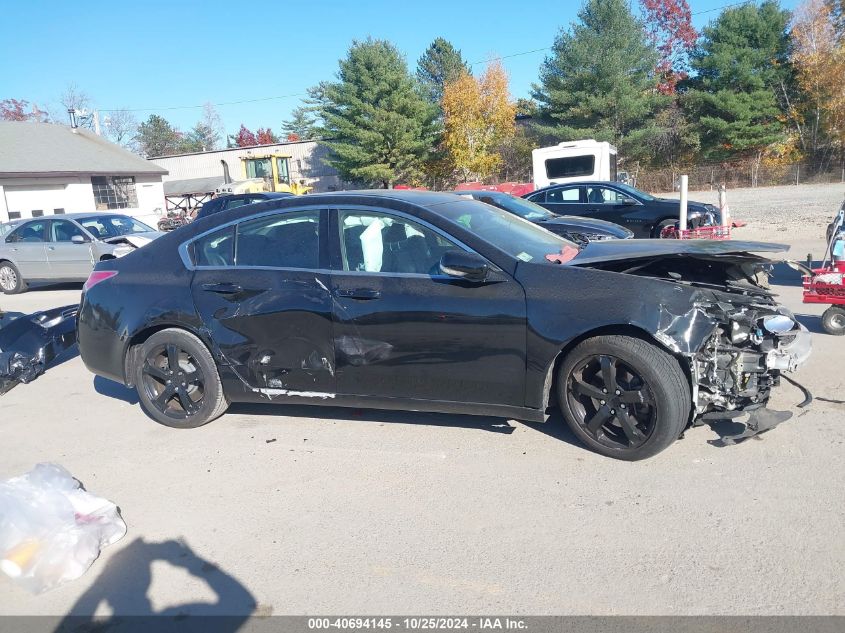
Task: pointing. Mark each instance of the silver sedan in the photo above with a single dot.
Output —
(65, 248)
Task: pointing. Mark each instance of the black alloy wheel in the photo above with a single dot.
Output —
(177, 380)
(612, 401)
(623, 396)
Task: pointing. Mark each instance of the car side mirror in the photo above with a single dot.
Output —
(78, 239)
(464, 265)
(628, 201)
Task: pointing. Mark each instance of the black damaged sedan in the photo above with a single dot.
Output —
(429, 301)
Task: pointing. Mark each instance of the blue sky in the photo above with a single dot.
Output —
(159, 55)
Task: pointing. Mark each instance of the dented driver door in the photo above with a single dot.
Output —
(266, 302)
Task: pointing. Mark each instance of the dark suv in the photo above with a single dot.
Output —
(222, 203)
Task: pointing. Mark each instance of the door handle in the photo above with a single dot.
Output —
(363, 294)
(51, 248)
(223, 288)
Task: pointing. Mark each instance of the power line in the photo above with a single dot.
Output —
(302, 94)
(188, 107)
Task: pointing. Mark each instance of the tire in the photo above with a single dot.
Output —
(623, 397)
(11, 282)
(163, 374)
(662, 225)
(833, 320)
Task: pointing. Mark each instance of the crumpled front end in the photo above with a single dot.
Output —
(742, 360)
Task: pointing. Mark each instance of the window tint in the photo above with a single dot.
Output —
(538, 197)
(29, 232)
(376, 242)
(64, 231)
(104, 226)
(216, 249)
(286, 240)
(564, 195)
(570, 166)
(603, 195)
(237, 202)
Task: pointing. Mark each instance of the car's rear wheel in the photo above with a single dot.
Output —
(11, 282)
(623, 397)
(833, 320)
(177, 380)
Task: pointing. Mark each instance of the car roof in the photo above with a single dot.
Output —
(580, 183)
(481, 192)
(76, 216)
(412, 196)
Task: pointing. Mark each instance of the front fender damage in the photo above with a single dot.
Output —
(736, 349)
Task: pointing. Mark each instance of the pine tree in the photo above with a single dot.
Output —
(379, 125)
(440, 64)
(600, 81)
(157, 137)
(740, 66)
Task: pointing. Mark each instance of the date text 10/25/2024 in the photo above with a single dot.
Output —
(418, 623)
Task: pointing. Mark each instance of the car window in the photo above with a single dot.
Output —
(573, 194)
(106, 226)
(215, 249)
(29, 232)
(64, 231)
(284, 240)
(603, 195)
(239, 202)
(538, 197)
(379, 242)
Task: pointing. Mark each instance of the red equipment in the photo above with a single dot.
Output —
(827, 284)
(717, 232)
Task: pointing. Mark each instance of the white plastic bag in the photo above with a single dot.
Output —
(51, 530)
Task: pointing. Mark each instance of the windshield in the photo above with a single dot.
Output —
(106, 226)
(523, 208)
(507, 232)
(636, 193)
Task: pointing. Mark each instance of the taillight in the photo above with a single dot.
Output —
(96, 277)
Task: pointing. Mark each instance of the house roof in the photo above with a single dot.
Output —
(39, 149)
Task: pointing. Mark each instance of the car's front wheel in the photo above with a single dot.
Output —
(623, 397)
(177, 380)
(11, 282)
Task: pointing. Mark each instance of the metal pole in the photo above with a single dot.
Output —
(682, 225)
(797, 173)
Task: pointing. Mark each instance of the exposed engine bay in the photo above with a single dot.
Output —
(747, 339)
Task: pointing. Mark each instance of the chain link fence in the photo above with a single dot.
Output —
(737, 174)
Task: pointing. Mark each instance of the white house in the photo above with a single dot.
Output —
(50, 169)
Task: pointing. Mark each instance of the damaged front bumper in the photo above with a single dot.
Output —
(29, 343)
(747, 355)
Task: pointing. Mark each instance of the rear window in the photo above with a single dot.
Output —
(570, 166)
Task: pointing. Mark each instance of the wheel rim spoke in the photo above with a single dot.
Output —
(172, 357)
(601, 416)
(586, 389)
(629, 426)
(608, 372)
(155, 372)
(164, 397)
(632, 397)
(185, 400)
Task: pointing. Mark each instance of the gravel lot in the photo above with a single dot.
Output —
(292, 510)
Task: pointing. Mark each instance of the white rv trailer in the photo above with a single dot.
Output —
(574, 161)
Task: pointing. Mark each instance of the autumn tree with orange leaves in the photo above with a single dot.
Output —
(478, 116)
(819, 58)
(668, 24)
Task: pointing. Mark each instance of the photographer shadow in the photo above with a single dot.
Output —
(124, 584)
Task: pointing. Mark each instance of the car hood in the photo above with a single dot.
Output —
(135, 239)
(587, 224)
(673, 202)
(724, 250)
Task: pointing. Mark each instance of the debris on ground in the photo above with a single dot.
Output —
(29, 343)
(51, 528)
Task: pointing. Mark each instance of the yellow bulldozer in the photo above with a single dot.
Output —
(267, 172)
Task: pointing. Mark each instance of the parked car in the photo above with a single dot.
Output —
(429, 301)
(66, 247)
(644, 214)
(223, 203)
(575, 228)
